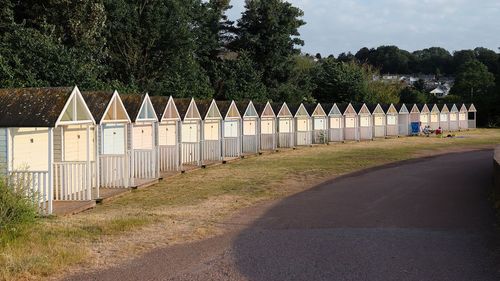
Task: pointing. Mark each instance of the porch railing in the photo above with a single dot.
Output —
(114, 172)
(143, 164)
(231, 147)
(190, 153)
(304, 138)
(35, 185)
(72, 181)
(336, 135)
(267, 142)
(169, 158)
(250, 144)
(285, 140)
(211, 150)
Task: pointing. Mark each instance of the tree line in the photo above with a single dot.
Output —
(190, 48)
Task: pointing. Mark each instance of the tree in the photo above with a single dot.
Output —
(473, 81)
(411, 96)
(432, 61)
(462, 57)
(239, 80)
(381, 92)
(346, 57)
(152, 46)
(339, 82)
(268, 32)
(488, 58)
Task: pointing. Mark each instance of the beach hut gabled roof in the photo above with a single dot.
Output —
(348, 109)
(301, 111)
(284, 110)
(401, 108)
(452, 107)
(391, 109)
(414, 109)
(228, 109)
(363, 109)
(472, 108)
(249, 110)
(139, 107)
(43, 107)
(165, 108)
(463, 108)
(377, 109)
(335, 110)
(265, 110)
(106, 106)
(423, 108)
(443, 108)
(435, 108)
(318, 111)
(209, 110)
(188, 109)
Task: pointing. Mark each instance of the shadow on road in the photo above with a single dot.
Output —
(426, 220)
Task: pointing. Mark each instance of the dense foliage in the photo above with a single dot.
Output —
(190, 48)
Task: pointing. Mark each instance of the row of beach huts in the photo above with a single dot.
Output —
(65, 145)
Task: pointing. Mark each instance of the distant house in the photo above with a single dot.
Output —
(440, 91)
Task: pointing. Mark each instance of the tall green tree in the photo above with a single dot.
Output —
(473, 81)
(152, 46)
(269, 32)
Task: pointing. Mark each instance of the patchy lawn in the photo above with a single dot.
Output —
(189, 206)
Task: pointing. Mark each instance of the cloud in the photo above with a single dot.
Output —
(335, 26)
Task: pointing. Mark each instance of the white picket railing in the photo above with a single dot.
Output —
(190, 153)
(285, 140)
(304, 138)
(169, 158)
(336, 134)
(232, 147)
(72, 181)
(267, 142)
(143, 164)
(35, 185)
(211, 150)
(250, 144)
(114, 171)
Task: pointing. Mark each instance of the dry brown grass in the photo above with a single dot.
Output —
(189, 207)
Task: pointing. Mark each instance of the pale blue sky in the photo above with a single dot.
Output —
(335, 26)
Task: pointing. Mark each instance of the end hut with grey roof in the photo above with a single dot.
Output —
(47, 139)
(472, 116)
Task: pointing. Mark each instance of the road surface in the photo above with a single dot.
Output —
(422, 220)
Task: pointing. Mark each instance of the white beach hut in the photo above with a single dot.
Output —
(250, 127)
(365, 122)
(335, 124)
(231, 130)
(142, 144)
(211, 132)
(453, 117)
(463, 123)
(47, 143)
(112, 132)
(351, 122)
(403, 119)
(379, 121)
(434, 117)
(168, 133)
(444, 117)
(472, 116)
(319, 123)
(286, 127)
(303, 125)
(190, 132)
(391, 114)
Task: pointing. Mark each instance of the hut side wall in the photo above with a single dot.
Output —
(3, 151)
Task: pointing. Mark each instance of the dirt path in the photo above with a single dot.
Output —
(422, 220)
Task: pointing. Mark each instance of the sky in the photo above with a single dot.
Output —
(336, 26)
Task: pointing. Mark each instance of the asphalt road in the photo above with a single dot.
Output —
(422, 220)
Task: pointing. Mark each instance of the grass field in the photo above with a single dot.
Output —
(187, 207)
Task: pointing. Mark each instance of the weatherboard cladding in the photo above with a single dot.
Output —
(97, 102)
(32, 107)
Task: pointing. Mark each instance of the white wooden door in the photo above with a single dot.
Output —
(143, 136)
(230, 129)
(284, 126)
(266, 127)
(335, 123)
(189, 132)
(113, 139)
(249, 128)
(211, 131)
(167, 134)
